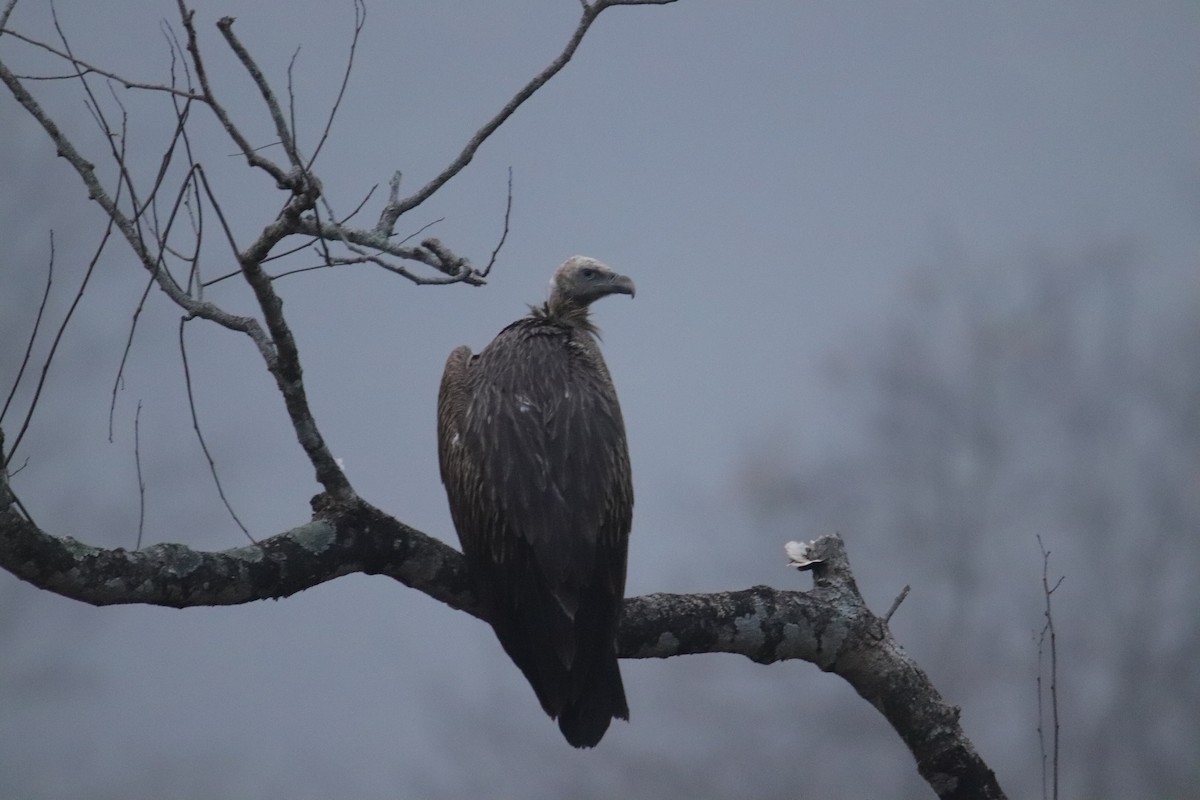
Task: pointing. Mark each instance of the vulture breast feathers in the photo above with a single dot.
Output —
(536, 468)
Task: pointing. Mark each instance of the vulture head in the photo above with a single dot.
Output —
(581, 281)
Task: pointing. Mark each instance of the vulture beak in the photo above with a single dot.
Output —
(622, 284)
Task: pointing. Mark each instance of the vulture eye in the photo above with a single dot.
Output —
(588, 273)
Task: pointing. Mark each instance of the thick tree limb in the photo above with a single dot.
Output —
(829, 626)
(351, 538)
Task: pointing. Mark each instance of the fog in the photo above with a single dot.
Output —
(921, 273)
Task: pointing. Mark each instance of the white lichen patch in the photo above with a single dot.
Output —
(667, 642)
(315, 537)
(78, 549)
(252, 553)
(749, 627)
(181, 561)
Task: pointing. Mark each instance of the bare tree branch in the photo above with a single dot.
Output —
(1049, 781)
(298, 179)
(394, 210)
(87, 172)
(311, 242)
(251, 153)
(84, 68)
(829, 626)
(282, 129)
(343, 538)
(438, 257)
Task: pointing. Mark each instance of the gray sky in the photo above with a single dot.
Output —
(766, 172)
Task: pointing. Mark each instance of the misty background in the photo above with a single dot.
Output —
(925, 274)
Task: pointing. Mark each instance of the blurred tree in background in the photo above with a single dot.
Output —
(1059, 397)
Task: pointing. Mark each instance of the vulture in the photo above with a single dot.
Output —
(533, 457)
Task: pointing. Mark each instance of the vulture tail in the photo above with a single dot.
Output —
(585, 718)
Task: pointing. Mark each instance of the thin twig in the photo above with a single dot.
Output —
(6, 492)
(178, 56)
(191, 398)
(37, 322)
(85, 68)
(212, 199)
(225, 26)
(361, 205)
(421, 230)
(195, 211)
(62, 329)
(360, 19)
(298, 270)
(887, 618)
(1048, 631)
(181, 117)
(192, 202)
(393, 211)
(119, 380)
(322, 245)
(137, 460)
(504, 235)
(163, 235)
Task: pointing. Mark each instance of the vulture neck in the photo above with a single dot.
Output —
(566, 312)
